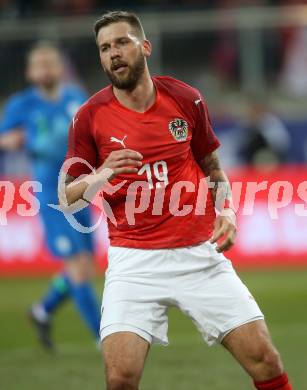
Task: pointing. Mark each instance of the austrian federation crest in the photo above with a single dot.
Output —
(179, 129)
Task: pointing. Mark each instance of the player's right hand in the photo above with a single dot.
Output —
(225, 229)
(121, 162)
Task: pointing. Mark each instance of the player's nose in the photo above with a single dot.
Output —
(114, 52)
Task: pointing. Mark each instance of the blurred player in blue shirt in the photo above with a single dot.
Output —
(39, 118)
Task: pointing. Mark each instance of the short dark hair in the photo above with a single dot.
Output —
(43, 45)
(111, 17)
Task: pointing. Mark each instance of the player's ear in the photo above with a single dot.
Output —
(146, 48)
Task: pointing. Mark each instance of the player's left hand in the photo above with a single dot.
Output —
(224, 227)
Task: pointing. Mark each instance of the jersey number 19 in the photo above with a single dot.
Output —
(160, 172)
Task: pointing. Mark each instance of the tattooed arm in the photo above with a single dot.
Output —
(225, 223)
(219, 186)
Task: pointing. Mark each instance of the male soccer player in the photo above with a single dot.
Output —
(44, 112)
(152, 138)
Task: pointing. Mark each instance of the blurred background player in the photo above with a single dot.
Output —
(39, 117)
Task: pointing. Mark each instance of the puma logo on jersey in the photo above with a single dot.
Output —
(120, 141)
(197, 101)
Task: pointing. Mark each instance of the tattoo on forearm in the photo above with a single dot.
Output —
(219, 184)
(210, 163)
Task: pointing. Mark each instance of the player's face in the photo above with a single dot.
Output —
(45, 67)
(122, 54)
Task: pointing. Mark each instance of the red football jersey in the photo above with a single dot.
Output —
(161, 205)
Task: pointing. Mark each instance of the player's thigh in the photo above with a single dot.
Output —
(80, 267)
(135, 294)
(124, 355)
(251, 344)
(63, 240)
(217, 300)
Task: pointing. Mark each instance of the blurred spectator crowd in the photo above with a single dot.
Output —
(28, 8)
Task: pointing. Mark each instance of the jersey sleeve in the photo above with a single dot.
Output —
(13, 114)
(81, 145)
(204, 140)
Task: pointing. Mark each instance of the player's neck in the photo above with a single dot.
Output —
(52, 93)
(139, 99)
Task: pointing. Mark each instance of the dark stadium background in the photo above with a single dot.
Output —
(249, 59)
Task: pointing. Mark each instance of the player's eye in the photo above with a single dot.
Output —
(124, 41)
(103, 49)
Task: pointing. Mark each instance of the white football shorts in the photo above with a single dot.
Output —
(142, 284)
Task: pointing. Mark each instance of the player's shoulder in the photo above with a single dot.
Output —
(177, 87)
(185, 96)
(21, 97)
(100, 98)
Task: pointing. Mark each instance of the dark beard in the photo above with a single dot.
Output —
(49, 85)
(134, 75)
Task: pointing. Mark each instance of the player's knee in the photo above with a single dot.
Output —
(268, 361)
(272, 361)
(122, 381)
(80, 268)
